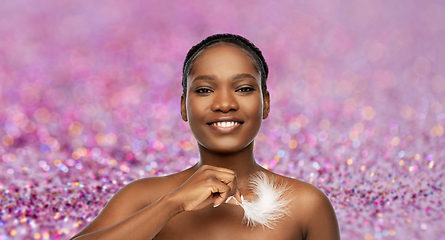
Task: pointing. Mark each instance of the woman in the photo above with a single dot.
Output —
(225, 100)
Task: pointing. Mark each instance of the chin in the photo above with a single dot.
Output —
(227, 148)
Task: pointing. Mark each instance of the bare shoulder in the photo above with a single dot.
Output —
(145, 191)
(306, 194)
(134, 197)
(148, 190)
(310, 209)
(301, 192)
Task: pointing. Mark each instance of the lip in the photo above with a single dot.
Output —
(225, 129)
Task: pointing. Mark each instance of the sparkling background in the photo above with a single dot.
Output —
(89, 101)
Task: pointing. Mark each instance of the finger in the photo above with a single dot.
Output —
(232, 200)
(223, 191)
(226, 178)
(230, 180)
(219, 169)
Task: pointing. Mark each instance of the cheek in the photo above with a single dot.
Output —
(195, 109)
(254, 107)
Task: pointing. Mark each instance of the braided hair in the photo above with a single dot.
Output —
(236, 40)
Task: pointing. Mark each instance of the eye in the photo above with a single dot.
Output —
(203, 90)
(246, 89)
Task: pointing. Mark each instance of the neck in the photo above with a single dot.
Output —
(242, 162)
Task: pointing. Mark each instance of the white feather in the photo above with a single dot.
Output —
(270, 204)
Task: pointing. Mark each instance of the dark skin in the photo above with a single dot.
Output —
(223, 86)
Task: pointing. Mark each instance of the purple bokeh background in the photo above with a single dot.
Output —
(90, 90)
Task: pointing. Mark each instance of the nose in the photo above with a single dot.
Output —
(225, 101)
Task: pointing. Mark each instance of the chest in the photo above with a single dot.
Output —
(224, 222)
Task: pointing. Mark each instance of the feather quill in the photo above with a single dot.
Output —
(270, 204)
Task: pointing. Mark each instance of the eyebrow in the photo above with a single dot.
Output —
(204, 77)
(212, 77)
(243, 75)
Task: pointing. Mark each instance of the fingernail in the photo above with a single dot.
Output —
(228, 199)
(216, 205)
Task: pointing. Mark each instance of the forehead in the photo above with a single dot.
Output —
(223, 56)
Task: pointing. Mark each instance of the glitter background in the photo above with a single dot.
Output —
(89, 101)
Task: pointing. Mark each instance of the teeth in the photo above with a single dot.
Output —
(225, 124)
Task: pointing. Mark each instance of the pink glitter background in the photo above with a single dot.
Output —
(89, 101)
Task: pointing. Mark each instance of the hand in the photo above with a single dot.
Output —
(208, 185)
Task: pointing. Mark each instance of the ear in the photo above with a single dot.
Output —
(266, 104)
(183, 108)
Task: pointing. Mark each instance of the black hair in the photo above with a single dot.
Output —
(238, 41)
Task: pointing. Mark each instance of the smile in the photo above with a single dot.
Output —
(225, 124)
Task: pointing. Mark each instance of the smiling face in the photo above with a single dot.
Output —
(224, 104)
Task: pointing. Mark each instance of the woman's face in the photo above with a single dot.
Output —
(224, 103)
